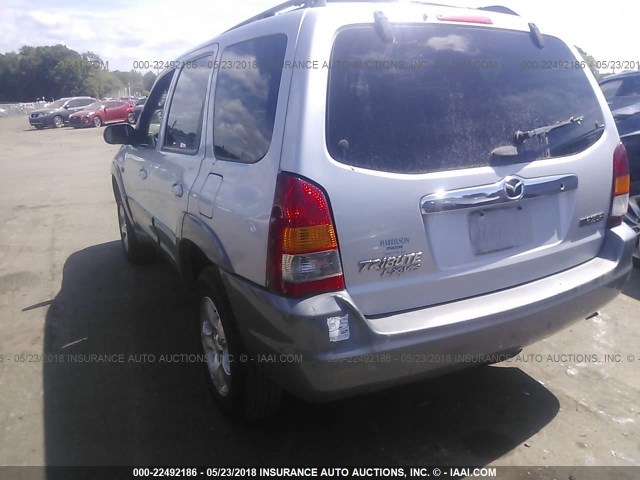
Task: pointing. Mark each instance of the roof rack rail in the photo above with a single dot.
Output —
(297, 4)
(291, 4)
(499, 9)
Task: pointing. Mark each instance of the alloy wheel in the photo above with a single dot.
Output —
(215, 347)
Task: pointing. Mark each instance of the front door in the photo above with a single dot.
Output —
(139, 159)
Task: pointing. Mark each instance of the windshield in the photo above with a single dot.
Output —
(94, 106)
(57, 103)
(443, 98)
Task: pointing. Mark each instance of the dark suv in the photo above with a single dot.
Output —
(621, 89)
(57, 113)
(622, 92)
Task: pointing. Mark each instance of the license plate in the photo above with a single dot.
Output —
(498, 229)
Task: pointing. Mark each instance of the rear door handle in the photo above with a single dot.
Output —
(143, 173)
(177, 189)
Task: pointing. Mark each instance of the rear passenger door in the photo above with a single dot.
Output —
(175, 168)
(247, 117)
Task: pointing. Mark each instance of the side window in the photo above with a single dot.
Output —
(151, 116)
(630, 87)
(85, 101)
(74, 103)
(114, 104)
(610, 89)
(186, 111)
(246, 98)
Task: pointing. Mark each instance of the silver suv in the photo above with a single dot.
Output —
(370, 193)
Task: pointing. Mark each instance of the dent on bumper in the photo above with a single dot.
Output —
(291, 340)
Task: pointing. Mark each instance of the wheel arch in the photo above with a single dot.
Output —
(118, 191)
(199, 248)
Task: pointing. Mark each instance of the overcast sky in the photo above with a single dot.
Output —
(163, 29)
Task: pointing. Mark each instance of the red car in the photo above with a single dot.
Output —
(100, 113)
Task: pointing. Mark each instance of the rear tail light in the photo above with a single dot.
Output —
(621, 186)
(303, 257)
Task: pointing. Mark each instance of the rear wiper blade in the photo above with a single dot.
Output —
(520, 137)
(597, 128)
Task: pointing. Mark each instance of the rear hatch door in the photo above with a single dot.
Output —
(434, 201)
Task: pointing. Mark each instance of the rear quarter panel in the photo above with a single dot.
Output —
(242, 203)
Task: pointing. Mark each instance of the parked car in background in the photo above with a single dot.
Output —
(57, 114)
(622, 92)
(631, 142)
(367, 226)
(133, 117)
(621, 89)
(100, 113)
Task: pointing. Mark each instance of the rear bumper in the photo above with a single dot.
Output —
(290, 338)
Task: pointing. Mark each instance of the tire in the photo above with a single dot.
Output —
(131, 118)
(97, 121)
(58, 122)
(135, 251)
(632, 218)
(239, 389)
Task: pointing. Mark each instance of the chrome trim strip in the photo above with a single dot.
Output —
(496, 193)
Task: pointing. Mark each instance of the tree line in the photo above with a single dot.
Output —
(56, 71)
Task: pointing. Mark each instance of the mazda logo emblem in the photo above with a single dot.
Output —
(513, 188)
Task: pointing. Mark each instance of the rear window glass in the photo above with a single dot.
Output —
(443, 98)
(610, 88)
(630, 87)
(246, 98)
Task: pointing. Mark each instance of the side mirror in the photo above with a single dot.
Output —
(66, 107)
(120, 134)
